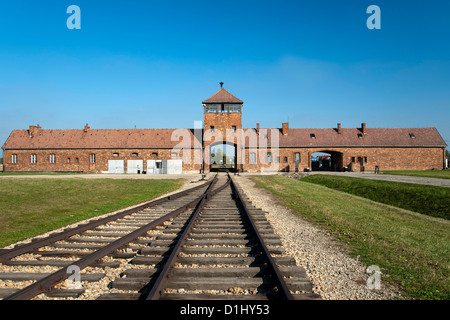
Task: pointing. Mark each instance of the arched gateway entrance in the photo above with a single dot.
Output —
(326, 160)
(223, 156)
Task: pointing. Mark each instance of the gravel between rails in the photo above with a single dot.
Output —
(335, 275)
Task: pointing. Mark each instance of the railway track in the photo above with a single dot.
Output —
(208, 242)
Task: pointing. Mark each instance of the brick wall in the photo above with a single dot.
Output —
(223, 124)
(83, 164)
(385, 158)
(283, 159)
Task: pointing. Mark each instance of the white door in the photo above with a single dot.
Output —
(175, 166)
(158, 167)
(133, 166)
(116, 166)
(151, 164)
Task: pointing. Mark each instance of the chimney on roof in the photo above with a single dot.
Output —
(221, 84)
(257, 128)
(86, 128)
(363, 128)
(33, 130)
(285, 128)
(339, 128)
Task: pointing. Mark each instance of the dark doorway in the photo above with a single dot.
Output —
(327, 161)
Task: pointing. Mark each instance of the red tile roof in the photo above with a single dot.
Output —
(183, 138)
(102, 138)
(222, 96)
(353, 137)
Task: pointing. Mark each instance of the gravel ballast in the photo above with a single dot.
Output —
(334, 274)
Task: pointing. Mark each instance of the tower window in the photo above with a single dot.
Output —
(211, 108)
(233, 128)
(234, 108)
(211, 128)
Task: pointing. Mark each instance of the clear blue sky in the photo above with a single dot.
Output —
(150, 63)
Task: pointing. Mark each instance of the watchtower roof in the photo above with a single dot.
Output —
(222, 96)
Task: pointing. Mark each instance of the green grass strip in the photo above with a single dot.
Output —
(441, 174)
(411, 249)
(29, 207)
(430, 200)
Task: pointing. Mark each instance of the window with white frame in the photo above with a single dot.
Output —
(14, 158)
(33, 158)
(52, 158)
(92, 157)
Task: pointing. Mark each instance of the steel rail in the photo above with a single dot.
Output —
(158, 286)
(8, 254)
(46, 284)
(283, 290)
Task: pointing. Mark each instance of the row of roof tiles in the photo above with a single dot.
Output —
(36, 138)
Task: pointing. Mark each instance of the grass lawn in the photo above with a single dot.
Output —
(430, 200)
(29, 207)
(442, 174)
(411, 249)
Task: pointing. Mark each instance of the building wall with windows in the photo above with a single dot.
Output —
(256, 149)
(92, 160)
(351, 159)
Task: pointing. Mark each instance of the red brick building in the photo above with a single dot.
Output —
(222, 143)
